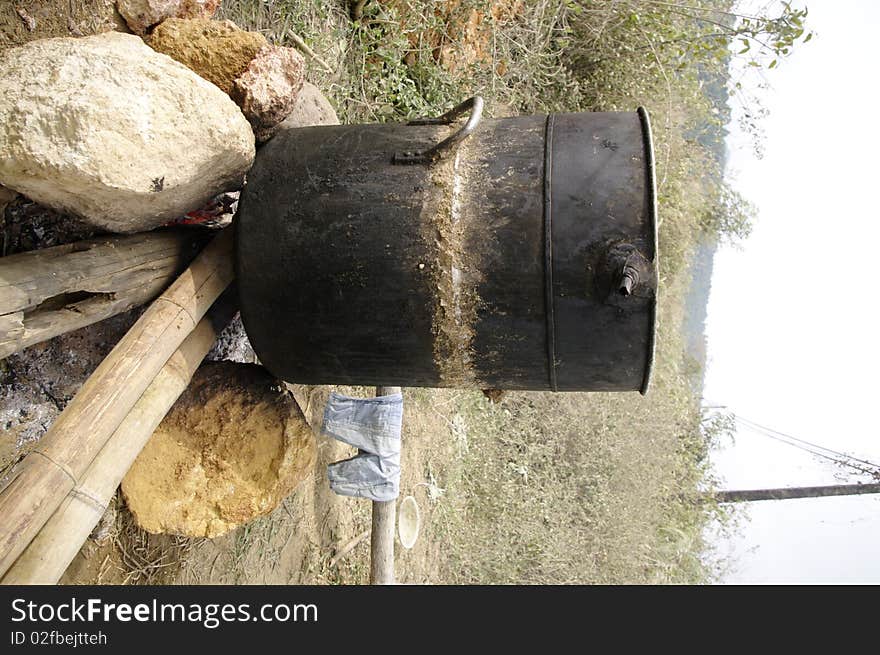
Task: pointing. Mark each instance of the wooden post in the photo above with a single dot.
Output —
(57, 543)
(48, 292)
(384, 522)
(43, 479)
(785, 493)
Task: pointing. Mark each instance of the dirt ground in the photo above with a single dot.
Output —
(25, 20)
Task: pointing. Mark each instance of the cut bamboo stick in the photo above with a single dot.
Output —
(48, 292)
(44, 478)
(52, 550)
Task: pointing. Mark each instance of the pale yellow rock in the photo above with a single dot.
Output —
(231, 449)
(106, 128)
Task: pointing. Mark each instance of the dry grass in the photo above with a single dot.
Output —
(144, 558)
(387, 65)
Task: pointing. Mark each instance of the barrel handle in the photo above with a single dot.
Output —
(432, 154)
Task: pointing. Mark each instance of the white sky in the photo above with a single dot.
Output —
(793, 336)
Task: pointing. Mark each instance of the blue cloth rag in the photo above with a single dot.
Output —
(373, 426)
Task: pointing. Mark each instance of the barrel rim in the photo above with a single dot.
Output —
(651, 190)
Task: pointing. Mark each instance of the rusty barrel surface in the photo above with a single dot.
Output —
(524, 257)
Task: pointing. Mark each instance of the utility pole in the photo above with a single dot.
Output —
(785, 493)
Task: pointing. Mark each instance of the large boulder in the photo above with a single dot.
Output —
(105, 128)
(231, 449)
(268, 89)
(141, 15)
(217, 50)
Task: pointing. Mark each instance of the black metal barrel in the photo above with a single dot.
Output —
(512, 253)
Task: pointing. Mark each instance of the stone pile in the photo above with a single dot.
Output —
(263, 79)
(129, 133)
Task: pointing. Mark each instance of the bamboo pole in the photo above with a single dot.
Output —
(44, 293)
(44, 478)
(382, 536)
(50, 553)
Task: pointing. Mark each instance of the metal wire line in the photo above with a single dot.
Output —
(764, 428)
(838, 458)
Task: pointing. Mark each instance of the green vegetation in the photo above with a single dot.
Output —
(569, 487)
